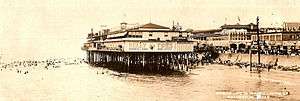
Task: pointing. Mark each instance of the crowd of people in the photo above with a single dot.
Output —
(21, 66)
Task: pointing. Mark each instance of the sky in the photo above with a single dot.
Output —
(37, 28)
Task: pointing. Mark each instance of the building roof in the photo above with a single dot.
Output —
(208, 35)
(217, 35)
(145, 26)
(136, 30)
(291, 22)
(206, 31)
(153, 26)
(238, 26)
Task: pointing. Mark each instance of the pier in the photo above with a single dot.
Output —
(142, 61)
(148, 48)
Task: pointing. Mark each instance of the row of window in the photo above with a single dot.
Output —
(293, 28)
(240, 38)
(270, 38)
(237, 33)
(200, 38)
(135, 36)
(164, 35)
(218, 39)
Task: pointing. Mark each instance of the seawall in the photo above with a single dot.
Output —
(282, 60)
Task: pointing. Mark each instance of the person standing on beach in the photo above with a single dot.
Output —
(276, 62)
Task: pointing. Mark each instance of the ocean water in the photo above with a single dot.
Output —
(73, 80)
(54, 70)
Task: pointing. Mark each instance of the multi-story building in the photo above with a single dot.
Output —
(147, 47)
(234, 37)
(146, 38)
(281, 40)
(239, 35)
(291, 26)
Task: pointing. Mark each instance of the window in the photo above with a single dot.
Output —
(150, 34)
(166, 35)
(135, 36)
(180, 35)
(278, 38)
(292, 37)
(272, 38)
(248, 37)
(120, 46)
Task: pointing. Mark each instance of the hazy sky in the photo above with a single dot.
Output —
(39, 27)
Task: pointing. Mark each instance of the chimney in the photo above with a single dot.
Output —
(123, 25)
(173, 26)
(92, 33)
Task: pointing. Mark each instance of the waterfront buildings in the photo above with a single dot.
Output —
(231, 37)
(284, 40)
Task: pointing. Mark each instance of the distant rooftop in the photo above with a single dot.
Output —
(150, 26)
(206, 31)
(239, 26)
(291, 22)
(153, 26)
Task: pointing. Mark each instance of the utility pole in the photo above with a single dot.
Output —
(258, 40)
(250, 53)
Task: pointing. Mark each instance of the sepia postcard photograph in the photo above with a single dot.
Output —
(149, 50)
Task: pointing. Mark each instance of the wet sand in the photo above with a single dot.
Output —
(82, 82)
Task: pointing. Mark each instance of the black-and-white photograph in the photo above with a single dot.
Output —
(149, 50)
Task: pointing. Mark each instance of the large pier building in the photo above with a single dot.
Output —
(149, 46)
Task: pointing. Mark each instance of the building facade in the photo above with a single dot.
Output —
(291, 26)
(149, 47)
(283, 40)
(233, 37)
(146, 38)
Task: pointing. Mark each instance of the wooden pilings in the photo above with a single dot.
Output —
(142, 61)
